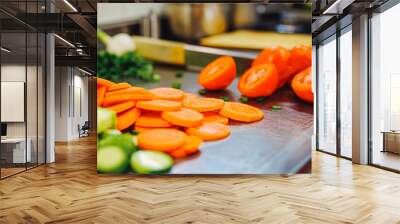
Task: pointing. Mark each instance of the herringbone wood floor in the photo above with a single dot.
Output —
(70, 191)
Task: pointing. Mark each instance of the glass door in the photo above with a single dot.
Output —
(326, 108)
(345, 92)
(385, 89)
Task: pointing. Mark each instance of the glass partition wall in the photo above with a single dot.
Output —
(22, 96)
(326, 109)
(334, 84)
(385, 89)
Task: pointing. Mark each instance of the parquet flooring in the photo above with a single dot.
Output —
(70, 191)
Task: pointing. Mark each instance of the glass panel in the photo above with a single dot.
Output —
(346, 94)
(385, 84)
(13, 80)
(31, 98)
(327, 96)
(41, 99)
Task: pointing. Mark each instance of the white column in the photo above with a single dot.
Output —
(360, 90)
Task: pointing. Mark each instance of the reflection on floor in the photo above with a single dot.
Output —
(14, 169)
(386, 159)
(71, 191)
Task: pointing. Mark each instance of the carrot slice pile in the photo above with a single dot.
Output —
(201, 104)
(141, 129)
(127, 118)
(191, 146)
(121, 107)
(184, 117)
(167, 94)
(241, 112)
(104, 82)
(100, 95)
(117, 86)
(161, 139)
(130, 90)
(159, 105)
(152, 120)
(215, 117)
(210, 131)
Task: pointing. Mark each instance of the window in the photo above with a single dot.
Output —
(385, 89)
(346, 95)
(327, 95)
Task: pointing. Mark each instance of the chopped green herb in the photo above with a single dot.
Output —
(276, 107)
(225, 98)
(156, 77)
(261, 99)
(128, 65)
(133, 132)
(179, 74)
(202, 91)
(244, 99)
(176, 85)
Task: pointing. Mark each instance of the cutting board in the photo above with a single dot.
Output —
(255, 40)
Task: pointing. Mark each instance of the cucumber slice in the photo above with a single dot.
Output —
(124, 141)
(151, 162)
(112, 159)
(106, 119)
(111, 132)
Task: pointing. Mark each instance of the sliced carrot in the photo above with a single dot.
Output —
(159, 105)
(166, 93)
(218, 74)
(118, 86)
(121, 107)
(111, 100)
(215, 117)
(260, 80)
(184, 117)
(104, 82)
(127, 118)
(100, 95)
(141, 129)
(210, 131)
(188, 95)
(161, 139)
(191, 146)
(241, 112)
(202, 104)
(178, 153)
(130, 90)
(152, 120)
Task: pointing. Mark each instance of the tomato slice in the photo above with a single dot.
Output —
(218, 74)
(302, 85)
(300, 58)
(278, 56)
(260, 80)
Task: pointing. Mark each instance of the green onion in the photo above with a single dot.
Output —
(276, 107)
(244, 99)
(202, 91)
(179, 74)
(261, 99)
(225, 98)
(156, 77)
(176, 85)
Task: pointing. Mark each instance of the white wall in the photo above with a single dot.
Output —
(70, 83)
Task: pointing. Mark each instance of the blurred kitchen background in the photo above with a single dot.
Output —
(212, 24)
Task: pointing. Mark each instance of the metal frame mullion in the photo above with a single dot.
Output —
(317, 97)
(338, 100)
